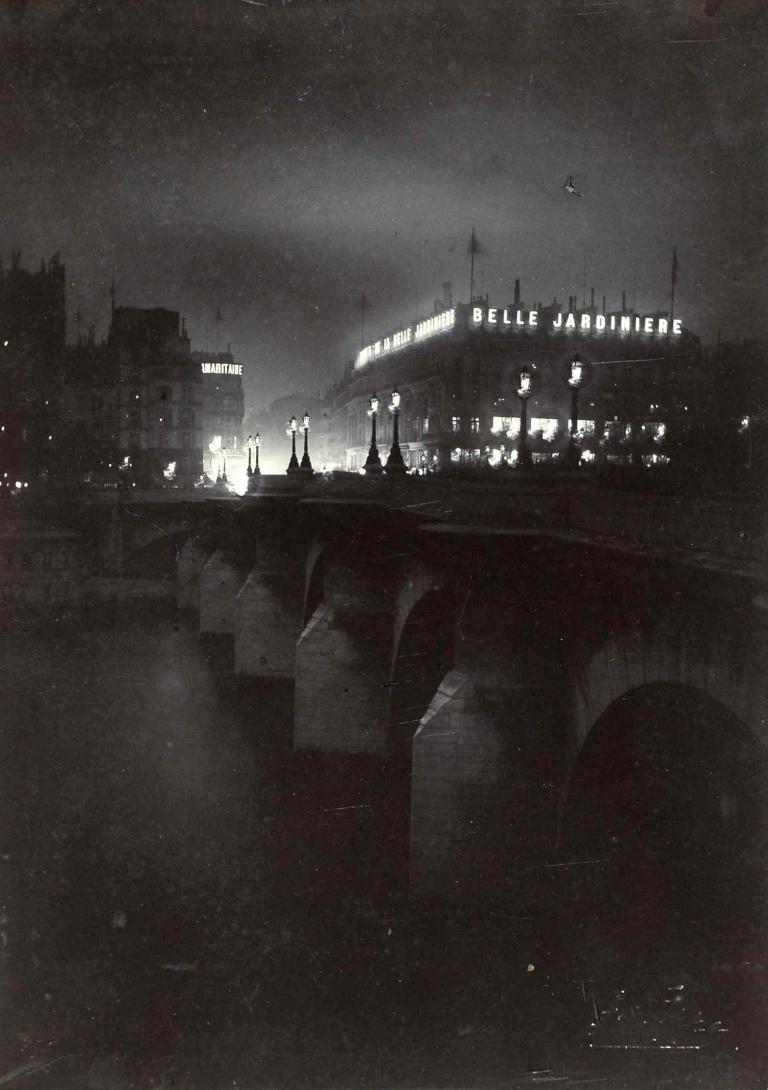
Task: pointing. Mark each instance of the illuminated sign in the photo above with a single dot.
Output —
(508, 318)
(418, 331)
(215, 367)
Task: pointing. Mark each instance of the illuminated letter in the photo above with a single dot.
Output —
(505, 318)
(519, 318)
(677, 326)
(570, 322)
(648, 325)
(557, 323)
(492, 312)
(613, 321)
(599, 322)
(533, 317)
(626, 323)
(637, 325)
(586, 321)
(663, 325)
(477, 314)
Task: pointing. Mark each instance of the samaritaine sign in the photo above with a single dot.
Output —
(215, 367)
(508, 318)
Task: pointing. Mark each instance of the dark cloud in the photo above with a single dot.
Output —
(277, 159)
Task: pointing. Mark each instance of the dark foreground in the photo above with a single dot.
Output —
(187, 904)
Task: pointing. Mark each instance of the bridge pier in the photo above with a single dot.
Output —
(220, 580)
(267, 624)
(487, 759)
(193, 558)
(343, 661)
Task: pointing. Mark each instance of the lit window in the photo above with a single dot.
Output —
(547, 425)
(585, 427)
(455, 423)
(474, 423)
(426, 424)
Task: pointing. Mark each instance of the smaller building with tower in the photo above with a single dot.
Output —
(223, 407)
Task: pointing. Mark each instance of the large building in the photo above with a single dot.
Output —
(458, 370)
(161, 396)
(32, 349)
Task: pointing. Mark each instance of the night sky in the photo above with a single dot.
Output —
(277, 158)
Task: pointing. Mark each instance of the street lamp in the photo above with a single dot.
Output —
(290, 431)
(215, 448)
(395, 463)
(373, 461)
(306, 465)
(575, 379)
(253, 442)
(524, 392)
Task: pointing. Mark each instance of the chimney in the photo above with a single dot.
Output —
(447, 294)
(623, 300)
(592, 298)
(603, 304)
(516, 301)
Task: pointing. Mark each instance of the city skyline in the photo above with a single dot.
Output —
(275, 162)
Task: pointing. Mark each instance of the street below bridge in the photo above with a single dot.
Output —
(187, 903)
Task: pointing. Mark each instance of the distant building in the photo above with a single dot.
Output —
(222, 410)
(32, 349)
(161, 396)
(458, 370)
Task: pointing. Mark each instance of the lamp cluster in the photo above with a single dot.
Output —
(294, 466)
(524, 391)
(395, 465)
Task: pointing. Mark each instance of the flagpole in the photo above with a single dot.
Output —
(472, 266)
(674, 281)
(363, 302)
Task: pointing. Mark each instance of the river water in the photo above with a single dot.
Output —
(186, 903)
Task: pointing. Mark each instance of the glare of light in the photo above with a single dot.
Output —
(126, 462)
(215, 444)
(661, 431)
(745, 421)
(170, 471)
(395, 402)
(49, 438)
(577, 373)
(18, 484)
(587, 456)
(495, 457)
(305, 422)
(524, 389)
(373, 401)
(292, 427)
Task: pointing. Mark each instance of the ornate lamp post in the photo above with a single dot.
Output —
(253, 442)
(575, 379)
(395, 463)
(373, 461)
(524, 392)
(290, 431)
(306, 465)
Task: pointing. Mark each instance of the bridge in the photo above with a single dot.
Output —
(561, 679)
(494, 645)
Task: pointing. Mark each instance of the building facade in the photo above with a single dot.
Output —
(32, 357)
(161, 397)
(643, 382)
(222, 411)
